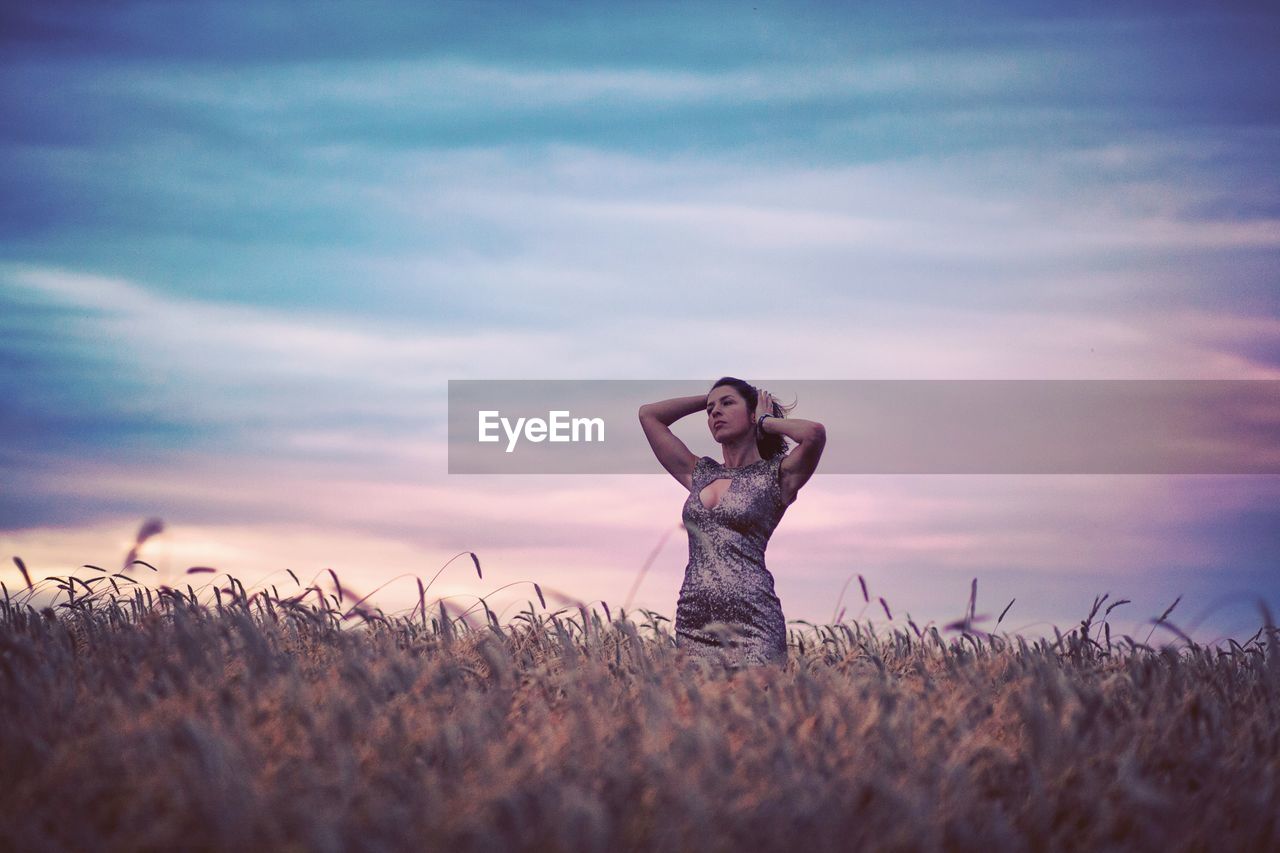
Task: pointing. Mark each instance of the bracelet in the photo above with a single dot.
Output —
(760, 423)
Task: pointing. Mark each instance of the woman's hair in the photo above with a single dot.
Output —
(769, 445)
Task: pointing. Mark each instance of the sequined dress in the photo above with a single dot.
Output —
(726, 581)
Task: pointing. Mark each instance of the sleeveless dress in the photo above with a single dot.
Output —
(727, 606)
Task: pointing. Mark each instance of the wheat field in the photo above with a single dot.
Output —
(165, 719)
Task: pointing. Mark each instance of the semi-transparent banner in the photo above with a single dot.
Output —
(526, 426)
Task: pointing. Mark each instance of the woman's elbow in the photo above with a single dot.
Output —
(817, 434)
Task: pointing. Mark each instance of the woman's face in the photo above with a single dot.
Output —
(727, 415)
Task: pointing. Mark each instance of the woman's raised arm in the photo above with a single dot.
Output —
(798, 467)
(674, 454)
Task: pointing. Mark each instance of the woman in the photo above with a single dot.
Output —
(727, 603)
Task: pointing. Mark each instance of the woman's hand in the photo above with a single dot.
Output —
(764, 404)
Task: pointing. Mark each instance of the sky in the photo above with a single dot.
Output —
(244, 246)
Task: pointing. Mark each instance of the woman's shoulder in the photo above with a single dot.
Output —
(703, 464)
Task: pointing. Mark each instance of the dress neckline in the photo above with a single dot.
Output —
(739, 467)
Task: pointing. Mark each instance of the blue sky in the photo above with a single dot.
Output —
(243, 247)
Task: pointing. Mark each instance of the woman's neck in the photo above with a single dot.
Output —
(739, 455)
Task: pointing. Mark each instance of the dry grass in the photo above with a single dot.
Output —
(137, 720)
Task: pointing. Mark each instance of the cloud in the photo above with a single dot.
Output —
(243, 252)
(237, 377)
